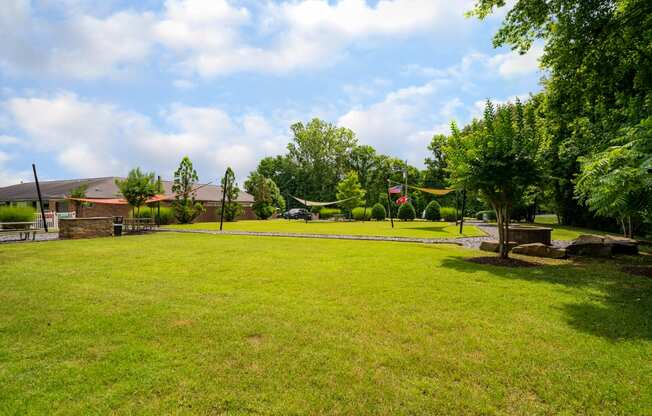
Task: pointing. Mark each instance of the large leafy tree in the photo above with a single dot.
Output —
(186, 208)
(496, 157)
(137, 187)
(349, 189)
(232, 208)
(267, 196)
(599, 77)
(616, 182)
(320, 152)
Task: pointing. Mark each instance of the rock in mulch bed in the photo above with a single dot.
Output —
(645, 271)
(497, 261)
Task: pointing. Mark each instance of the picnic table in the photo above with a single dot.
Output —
(22, 228)
(135, 225)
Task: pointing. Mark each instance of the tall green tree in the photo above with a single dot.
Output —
(137, 188)
(186, 208)
(320, 152)
(496, 157)
(598, 82)
(232, 208)
(350, 190)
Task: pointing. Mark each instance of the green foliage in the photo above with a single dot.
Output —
(327, 213)
(378, 212)
(615, 182)
(232, 209)
(449, 214)
(361, 213)
(349, 188)
(432, 212)
(498, 158)
(166, 217)
(186, 209)
(267, 196)
(598, 83)
(16, 214)
(406, 212)
(78, 192)
(138, 187)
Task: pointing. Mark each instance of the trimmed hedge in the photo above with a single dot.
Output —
(406, 212)
(167, 215)
(432, 212)
(449, 214)
(359, 212)
(326, 213)
(16, 214)
(378, 212)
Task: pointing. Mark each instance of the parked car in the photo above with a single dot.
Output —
(297, 214)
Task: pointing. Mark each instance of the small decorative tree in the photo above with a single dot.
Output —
(78, 192)
(349, 189)
(433, 211)
(497, 157)
(186, 209)
(137, 188)
(231, 207)
(378, 212)
(406, 212)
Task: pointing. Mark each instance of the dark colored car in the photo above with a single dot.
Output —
(297, 214)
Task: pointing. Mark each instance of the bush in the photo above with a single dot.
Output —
(316, 210)
(263, 210)
(359, 212)
(406, 212)
(489, 215)
(448, 214)
(167, 215)
(432, 212)
(16, 214)
(378, 212)
(327, 213)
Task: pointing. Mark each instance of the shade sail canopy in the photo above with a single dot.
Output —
(320, 204)
(434, 191)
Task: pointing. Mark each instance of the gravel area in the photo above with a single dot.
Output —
(14, 238)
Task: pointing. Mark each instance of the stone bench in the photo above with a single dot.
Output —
(75, 228)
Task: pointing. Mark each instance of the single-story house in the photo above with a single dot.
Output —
(55, 193)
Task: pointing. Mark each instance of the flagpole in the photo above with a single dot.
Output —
(389, 205)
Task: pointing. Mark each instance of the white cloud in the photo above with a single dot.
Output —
(75, 46)
(512, 64)
(208, 37)
(89, 138)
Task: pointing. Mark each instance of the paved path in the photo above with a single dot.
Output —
(469, 242)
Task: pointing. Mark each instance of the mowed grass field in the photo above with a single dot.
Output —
(205, 324)
(420, 229)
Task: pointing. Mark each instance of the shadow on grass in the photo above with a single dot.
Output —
(622, 311)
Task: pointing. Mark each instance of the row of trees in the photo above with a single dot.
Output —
(139, 187)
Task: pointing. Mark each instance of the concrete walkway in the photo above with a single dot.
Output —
(468, 242)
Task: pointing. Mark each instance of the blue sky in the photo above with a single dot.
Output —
(94, 88)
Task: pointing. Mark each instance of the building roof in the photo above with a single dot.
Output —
(99, 188)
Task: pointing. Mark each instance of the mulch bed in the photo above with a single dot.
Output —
(645, 271)
(497, 261)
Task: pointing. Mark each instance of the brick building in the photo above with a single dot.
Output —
(54, 195)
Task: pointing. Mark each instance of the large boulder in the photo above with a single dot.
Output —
(540, 250)
(589, 245)
(600, 246)
(621, 245)
(494, 246)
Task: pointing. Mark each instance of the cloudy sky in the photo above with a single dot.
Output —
(93, 88)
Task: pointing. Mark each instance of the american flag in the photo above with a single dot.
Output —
(395, 189)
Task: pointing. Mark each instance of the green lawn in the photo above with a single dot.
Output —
(422, 229)
(204, 324)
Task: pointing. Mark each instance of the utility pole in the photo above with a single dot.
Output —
(40, 200)
(224, 185)
(158, 204)
(463, 208)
